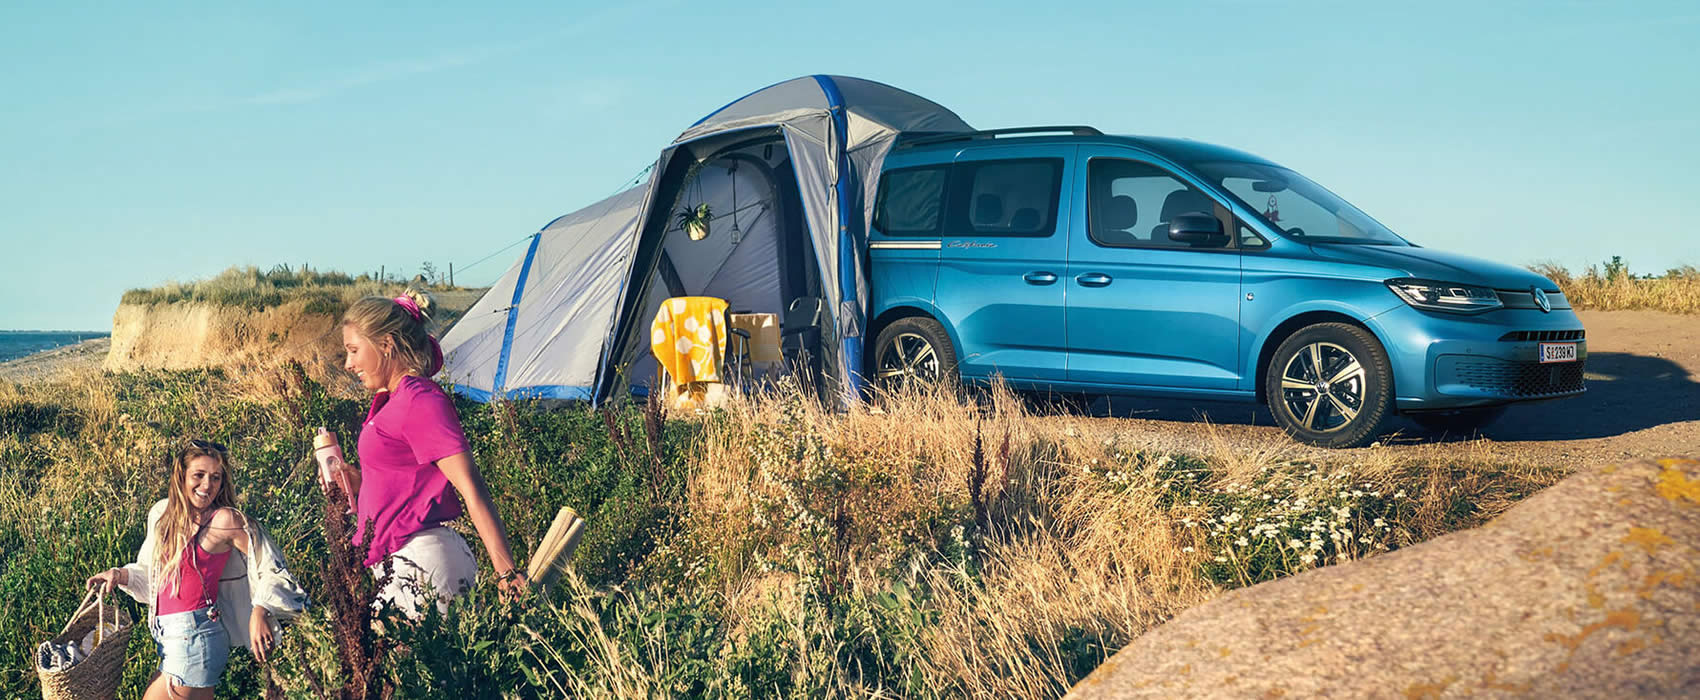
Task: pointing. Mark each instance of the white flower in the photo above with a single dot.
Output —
(1221, 560)
(1308, 558)
(1241, 542)
(1187, 549)
(1295, 544)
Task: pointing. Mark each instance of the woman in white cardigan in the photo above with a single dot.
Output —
(194, 537)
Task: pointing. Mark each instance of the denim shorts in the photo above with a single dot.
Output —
(193, 648)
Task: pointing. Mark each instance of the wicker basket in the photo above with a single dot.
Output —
(96, 677)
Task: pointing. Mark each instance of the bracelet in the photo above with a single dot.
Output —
(510, 575)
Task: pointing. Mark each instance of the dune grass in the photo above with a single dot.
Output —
(1614, 288)
(921, 546)
(250, 288)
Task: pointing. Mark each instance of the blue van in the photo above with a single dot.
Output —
(1068, 261)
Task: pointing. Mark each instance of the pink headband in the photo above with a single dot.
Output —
(412, 308)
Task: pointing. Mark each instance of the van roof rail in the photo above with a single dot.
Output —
(927, 138)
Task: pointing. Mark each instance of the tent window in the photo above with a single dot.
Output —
(910, 201)
(1005, 197)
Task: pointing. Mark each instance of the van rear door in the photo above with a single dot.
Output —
(1004, 255)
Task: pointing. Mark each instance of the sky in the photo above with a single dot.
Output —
(141, 144)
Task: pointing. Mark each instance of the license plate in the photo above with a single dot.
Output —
(1558, 352)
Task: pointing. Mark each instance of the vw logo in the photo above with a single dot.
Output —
(1541, 299)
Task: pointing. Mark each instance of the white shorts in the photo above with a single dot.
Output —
(433, 562)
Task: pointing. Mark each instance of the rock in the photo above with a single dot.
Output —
(1590, 588)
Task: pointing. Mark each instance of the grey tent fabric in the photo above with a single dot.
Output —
(562, 320)
(560, 323)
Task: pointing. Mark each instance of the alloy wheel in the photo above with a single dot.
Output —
(1323, 386)
(908, 358)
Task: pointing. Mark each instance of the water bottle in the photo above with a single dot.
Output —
(332, 468)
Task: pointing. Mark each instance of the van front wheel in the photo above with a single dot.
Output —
(1330, 385)
(911, 351)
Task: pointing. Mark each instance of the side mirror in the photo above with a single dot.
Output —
(1197, 230)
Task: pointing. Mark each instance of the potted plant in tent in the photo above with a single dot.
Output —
(695, 220)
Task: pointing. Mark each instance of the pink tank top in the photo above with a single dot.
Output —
(198, 575)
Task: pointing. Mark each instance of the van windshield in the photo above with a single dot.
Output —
(1291, 203)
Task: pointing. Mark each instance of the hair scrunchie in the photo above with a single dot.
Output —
(412, 308)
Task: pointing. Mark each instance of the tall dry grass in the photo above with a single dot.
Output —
(1019, 551)
(1616, 288)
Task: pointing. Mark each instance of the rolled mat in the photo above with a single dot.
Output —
(554, 554)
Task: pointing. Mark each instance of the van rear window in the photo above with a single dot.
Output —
(1005, 197)
(910, 201)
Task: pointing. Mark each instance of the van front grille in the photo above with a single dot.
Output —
(1543, 336)
(1520, 379)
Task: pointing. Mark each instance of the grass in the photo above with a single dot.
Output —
(249, 288)
(1613, 288)
(936, 548)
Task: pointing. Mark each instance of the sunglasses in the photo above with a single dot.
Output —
(205, 445)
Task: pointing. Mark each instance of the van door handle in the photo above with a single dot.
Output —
(1040, 278)
(1093, 279)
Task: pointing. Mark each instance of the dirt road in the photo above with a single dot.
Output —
(1643, 400)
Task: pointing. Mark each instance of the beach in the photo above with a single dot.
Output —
(84, 355)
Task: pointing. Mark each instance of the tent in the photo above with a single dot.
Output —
(789, 172)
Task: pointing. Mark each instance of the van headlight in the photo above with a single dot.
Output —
(1430, 295)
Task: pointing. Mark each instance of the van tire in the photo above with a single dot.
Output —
(1346, 410)
(911, 349)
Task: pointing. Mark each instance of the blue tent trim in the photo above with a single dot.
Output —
(578, 393)
(513, 314)
(846, 247)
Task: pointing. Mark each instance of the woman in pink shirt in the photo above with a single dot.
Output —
(415, 465)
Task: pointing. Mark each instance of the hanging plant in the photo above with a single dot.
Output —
(695, 220)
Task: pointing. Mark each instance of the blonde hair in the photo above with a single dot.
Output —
(378, 318)
(175, 527)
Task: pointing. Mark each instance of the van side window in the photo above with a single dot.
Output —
(910, 201)
(1129, 204)
(1005, 197)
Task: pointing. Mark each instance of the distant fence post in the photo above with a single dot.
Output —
(381, 279)
(451, 275)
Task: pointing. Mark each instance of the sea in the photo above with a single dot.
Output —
(16, 344)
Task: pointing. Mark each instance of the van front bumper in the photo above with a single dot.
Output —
(1444, 361)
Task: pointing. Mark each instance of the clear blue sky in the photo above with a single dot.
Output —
(142, 143)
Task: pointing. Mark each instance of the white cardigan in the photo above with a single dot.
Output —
(264, 582)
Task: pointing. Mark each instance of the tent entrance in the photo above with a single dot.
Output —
(757, 255)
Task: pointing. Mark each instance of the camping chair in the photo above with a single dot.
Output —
(736, 360)
(800, 339)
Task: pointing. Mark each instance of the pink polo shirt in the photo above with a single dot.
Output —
(402, 492)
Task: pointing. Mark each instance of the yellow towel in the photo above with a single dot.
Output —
(689, 338)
